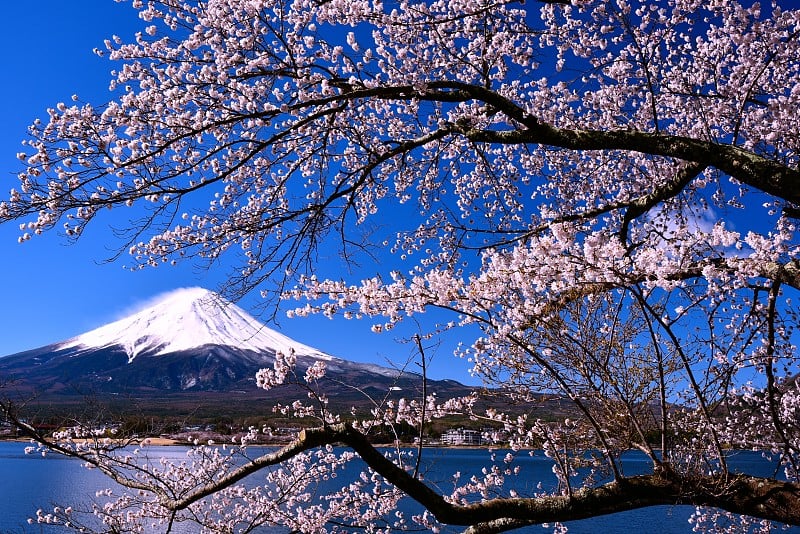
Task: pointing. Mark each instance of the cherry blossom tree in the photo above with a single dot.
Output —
(602, 194)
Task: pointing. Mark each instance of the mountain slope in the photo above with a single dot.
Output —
(186, 319)
(191, 340)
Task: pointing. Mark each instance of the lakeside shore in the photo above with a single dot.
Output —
(161, 441)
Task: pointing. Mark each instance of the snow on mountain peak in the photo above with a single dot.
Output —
(188, 318)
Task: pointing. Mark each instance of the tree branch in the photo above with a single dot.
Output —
(756, 171)
(642, 205)
(759, 497)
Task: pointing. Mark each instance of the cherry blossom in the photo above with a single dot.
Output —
(602, 196)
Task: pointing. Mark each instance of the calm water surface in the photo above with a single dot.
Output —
(30, 482)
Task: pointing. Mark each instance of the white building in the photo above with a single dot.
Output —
(462, 436)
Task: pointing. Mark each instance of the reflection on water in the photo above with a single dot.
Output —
(30, 482)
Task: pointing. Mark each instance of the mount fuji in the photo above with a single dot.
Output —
(190, 343)
(187, 319)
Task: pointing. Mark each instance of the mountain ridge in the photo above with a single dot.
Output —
(192, 342)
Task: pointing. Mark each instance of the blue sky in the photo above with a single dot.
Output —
(53, 290)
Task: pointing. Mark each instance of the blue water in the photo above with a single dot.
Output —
(30, 482)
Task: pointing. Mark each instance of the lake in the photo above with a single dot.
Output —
(30, 482)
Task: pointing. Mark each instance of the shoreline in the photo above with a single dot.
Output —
(168, 442)
(158, 441)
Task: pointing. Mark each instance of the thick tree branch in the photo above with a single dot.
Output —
(756, 171)
(787, 273)
(759, 497)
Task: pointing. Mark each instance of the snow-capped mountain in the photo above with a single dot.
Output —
(187, 319)
(190, 340)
